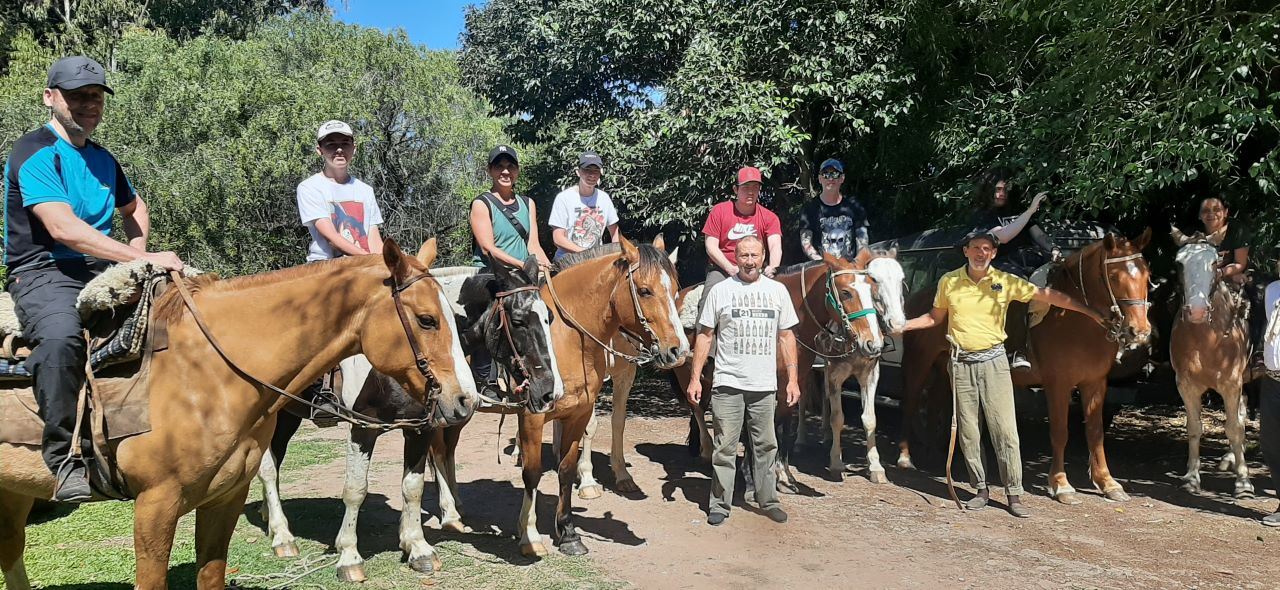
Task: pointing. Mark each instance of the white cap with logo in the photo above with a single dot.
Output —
(334, 126)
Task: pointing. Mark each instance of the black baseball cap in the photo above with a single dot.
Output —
(983, 234)
(502, 151)
(590, 159)
(70, 73)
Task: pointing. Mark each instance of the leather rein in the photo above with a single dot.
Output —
(647, 352)
(343, 413)
(504, 322)
(1114, 333)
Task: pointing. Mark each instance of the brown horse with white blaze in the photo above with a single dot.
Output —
(1068, 352)
(212, 421)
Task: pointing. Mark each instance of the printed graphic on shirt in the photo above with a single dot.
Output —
(837, 235)
(741, 230)
(754, 320)
(348, 219)
(588, 226)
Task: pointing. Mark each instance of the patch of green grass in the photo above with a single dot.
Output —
(309, 453)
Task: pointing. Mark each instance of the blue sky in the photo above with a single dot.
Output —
(435, 23)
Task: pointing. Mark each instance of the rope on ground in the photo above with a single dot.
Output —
(305, 566)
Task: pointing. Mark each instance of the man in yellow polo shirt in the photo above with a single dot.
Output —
(973, 300)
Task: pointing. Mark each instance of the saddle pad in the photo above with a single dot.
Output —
(1037, 310)
(689, 308)
(451, 279)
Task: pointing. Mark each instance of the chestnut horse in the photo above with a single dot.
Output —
(1068, 352)
(211, 421)
(1209, 349)
(599, 293)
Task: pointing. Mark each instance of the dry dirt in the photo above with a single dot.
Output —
(855, 534)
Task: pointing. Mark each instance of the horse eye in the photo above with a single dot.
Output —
(645, 292)
(428, 322)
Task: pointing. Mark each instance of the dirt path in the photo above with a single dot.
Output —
(856, 534)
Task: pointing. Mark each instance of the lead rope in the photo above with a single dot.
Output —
(955, 412)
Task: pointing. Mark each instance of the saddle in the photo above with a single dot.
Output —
(116, 308)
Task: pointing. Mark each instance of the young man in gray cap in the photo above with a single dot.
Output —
(61, 193)
(832, 223)
(581, 213)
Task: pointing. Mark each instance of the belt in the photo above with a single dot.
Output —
(979, 356)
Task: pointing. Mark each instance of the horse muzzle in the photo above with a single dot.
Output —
(671, 357)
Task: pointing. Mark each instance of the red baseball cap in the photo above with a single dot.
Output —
(748, 174)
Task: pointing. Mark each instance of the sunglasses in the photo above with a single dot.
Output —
(832, 175)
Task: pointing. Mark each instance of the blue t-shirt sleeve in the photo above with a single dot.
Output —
(124, 189)
(39, 181)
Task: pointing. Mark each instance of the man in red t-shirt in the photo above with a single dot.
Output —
(731, 221)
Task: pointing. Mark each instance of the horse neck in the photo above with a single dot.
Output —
(808, 289)
(310, 317)
(1082, 281)
(586, 291)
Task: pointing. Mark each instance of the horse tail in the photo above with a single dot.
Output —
(693, 442)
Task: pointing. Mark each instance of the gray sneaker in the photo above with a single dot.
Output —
(1272, 519)
(776, 514)
(73, 484)
(1019, 361)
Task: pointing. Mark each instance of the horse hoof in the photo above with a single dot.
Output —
(833, 475)
(589, 492)
(628, 486)
(786, 487)
(1243, 492)
(533, 549)
(455, 526)
(1191, 487)
(905, 463)
(573, 548)
(1068, 498)
(352, 573)
(289, 549)
(425, 564)
(878, 477)
(1116, 495)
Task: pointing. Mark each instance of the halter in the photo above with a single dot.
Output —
(648, 352)
(832, 301)
(1114, 334)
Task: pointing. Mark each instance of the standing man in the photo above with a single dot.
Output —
(1269, 403)
(731, 221)
(61, 191)
(833, 223)
(749, 315)
(582, 213)
(973, 301)
(338, 209)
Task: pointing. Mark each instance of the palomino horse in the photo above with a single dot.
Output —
(207, 441)
(1209, 349)
(1068, 350)
(822, 292)
(598, 294)
(516, 326)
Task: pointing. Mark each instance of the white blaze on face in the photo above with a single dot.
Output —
(460, 368)
(1197, 261)
(540, 309)
(888, 275)
(863, 288)
(1132, 269)
(673, 314)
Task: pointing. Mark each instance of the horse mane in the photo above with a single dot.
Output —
(649, 257)
(169, 307)
(799, 266)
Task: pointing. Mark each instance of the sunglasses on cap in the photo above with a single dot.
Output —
(832, 174)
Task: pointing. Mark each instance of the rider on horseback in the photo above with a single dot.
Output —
(61, 191)
(833, 223)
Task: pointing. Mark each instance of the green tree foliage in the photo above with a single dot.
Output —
(216, 133)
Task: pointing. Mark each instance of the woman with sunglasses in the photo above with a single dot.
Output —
(833, 223)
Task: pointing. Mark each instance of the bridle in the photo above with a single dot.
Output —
(504, 322)
(1115, 332)
(342, 413)
(846, 318)
(648, 352)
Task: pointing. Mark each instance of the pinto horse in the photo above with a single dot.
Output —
(1209, 349)
(516, 328)
(212, 420)
(1068, 350)
(598, 294)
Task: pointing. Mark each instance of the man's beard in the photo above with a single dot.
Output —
(69, 124)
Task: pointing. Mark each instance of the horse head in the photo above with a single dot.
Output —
(520, 332)
(409, 334)
(1127, 282)
(1197, 256)
(890, 281)
(647, 307)
(851, 295)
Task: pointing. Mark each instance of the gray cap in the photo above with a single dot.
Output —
(334, 126)
(590, 159)
(70, 73)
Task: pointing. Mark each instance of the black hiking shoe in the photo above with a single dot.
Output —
(73, 484)
(491, 392)
(326, 414)
(716, 518)
(1019, 361)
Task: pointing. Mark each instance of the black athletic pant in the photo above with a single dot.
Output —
(45, 303)
(1269, 407)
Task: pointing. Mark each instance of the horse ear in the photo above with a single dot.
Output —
(394, 257)
(892, 252)
(1109, 242)
(531, 270)
(630, 252)
(1140, 244)
(832, 261)
(1216, 238)
(427, 253)
(863, 258)
(660, 243)
(1179, 238)
(674, 255)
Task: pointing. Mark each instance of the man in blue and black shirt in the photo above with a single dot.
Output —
(61, 191)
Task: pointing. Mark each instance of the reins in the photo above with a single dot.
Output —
(504, 321)
(342, 413)
(1114, 332)
(645, 357)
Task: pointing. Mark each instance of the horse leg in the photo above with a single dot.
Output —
(1236, 418)
(531, 471)
(214, 526)
(833, 379)
(155, 517)
(14, 509)
(588, 487)
(1058, 396)
(282, 540)
(913, 384)
(1191, 398)
(623, 380)
(443, 461)
(784, 424)
(868, 381)
(418, 553)
(359, 453)
(566, 533)
(1093, 397)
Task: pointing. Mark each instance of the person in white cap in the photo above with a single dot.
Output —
(338, 209)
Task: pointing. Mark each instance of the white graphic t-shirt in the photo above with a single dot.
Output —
(747, 318)
(1270, 350)
(584, 219)
(350, 207)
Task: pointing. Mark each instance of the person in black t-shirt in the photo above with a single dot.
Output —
(833, 223)
(1021, 253)
(1233, 262)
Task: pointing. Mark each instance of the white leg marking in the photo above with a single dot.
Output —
(272, 509)
(353, 494)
